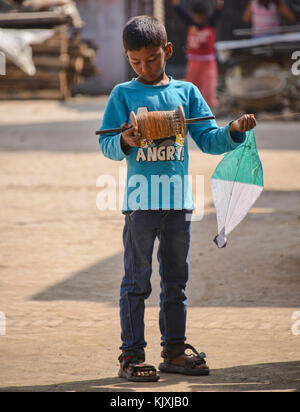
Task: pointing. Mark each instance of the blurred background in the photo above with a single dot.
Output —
(57, 49)
(61, 259)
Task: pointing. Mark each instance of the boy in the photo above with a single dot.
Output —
(202, 69)
(149, 214)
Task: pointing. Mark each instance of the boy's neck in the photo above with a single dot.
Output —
(162, 80)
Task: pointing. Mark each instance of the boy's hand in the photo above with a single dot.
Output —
(175, 2)
(130, 137)
(243, 124)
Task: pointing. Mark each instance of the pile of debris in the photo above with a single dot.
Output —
(45, 54)
(257, 77)
(268, 90)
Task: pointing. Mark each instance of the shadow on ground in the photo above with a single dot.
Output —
(277, 271)
(78, 135)
(259, 377)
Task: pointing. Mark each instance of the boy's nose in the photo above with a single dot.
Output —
(144, 69)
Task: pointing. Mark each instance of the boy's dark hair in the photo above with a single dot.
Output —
(198, 7)
(144, 31)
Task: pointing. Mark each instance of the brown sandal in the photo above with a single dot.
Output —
(190, 367)
(135, 370)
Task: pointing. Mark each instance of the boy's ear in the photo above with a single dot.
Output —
(169, 50)
(126, 54)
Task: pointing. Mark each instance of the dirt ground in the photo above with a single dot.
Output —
(61, 264)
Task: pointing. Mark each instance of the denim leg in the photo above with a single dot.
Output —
(173, 256)
(138, 238)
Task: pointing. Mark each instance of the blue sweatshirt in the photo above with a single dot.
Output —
(157, 171)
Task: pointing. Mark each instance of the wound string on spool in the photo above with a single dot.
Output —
(159, 124)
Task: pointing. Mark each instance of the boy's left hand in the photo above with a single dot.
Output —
(243, 124)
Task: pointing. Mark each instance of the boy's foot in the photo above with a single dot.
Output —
(135, 370)
(178, 361)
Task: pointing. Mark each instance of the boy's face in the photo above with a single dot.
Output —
(149, 63)
(199, 18)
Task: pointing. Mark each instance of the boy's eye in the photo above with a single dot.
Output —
(152, 60)
(137, 63)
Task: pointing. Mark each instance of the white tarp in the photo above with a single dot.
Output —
(15, 44)
(261, 41)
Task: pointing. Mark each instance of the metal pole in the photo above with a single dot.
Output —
(159, 10)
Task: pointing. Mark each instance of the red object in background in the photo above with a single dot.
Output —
(201, 41)
(204, 75)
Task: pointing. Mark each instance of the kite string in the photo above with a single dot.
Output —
(279, 116)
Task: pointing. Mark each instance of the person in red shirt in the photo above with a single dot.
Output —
(202, 69)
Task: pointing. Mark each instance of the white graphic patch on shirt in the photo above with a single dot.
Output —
(196, 37)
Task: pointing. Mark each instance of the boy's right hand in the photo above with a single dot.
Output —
(131, 136)
(175, 3)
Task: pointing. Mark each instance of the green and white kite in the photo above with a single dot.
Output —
(236, 185)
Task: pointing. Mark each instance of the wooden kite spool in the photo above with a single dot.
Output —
(160, 125)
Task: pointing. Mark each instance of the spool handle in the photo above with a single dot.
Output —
(122, 129)
(199, 119)
(107, 131)
(133, 122)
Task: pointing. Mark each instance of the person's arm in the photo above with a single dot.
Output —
(113, 146)
(247, 16)
(212, 21)
(213, 139)
(286, 13)
(183, 13)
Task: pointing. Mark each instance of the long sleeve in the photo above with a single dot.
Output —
(188, 18)
(184, 15)
(114, 116)
(213, 19)
(207, 135)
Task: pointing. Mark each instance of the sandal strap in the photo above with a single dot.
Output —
(174, 353)
(141, 367)
(196, 359)
(126, 360)
(134, 364)
(188, 346)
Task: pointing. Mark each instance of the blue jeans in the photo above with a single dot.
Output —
(140, 231)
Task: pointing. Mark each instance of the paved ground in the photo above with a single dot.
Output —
(61, 264)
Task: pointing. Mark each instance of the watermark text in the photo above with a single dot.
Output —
(150, 193)
(296, 65)
(2, 324)
(296, 325)
(2, 64)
